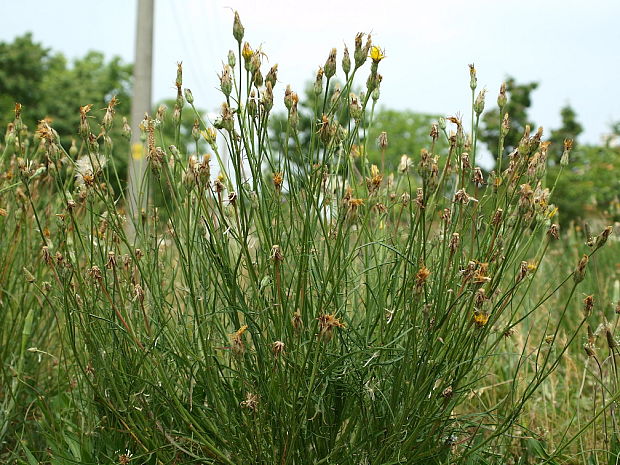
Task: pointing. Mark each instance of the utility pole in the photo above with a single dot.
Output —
(140, 104)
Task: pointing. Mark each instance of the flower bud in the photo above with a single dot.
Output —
(346, 61)
(189, 96)
(318, 83)
(179, 80)
(501, 98)
(355, 110)
(238, 30)
(267, 98)
(473, 80)
(479, 103)
(272, 76)
(568, 145)
(580, 271)
(330, 64)
(226, 81)
(247, 54)
(232, 59)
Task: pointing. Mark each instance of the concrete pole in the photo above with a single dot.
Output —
(140, 104)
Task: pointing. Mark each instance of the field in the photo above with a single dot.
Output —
(283, 299)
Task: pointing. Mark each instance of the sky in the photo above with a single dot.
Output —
(570, 47)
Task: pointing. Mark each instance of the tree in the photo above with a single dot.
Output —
(48, 86)
(408, 133)
(570, 129)
(518, 102)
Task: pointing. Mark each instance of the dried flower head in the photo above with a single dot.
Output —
(277, 348)
(250, 402)
(327, 323)
(238, 346)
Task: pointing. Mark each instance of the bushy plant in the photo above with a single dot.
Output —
(296, 308)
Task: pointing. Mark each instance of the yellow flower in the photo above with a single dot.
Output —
(376, 54)
(531, 266)
(247, 51)
(481, 319)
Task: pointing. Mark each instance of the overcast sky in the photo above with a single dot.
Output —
(570, 47)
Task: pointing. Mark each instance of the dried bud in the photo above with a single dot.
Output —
(272, 76)
(589, 349)
(602, 238)
(382, 141)
(611, 342)
(276, 253)
(477, 177)
(554, 231)
(588, 305)
(497, 217)
(355, 110)
(580, 271)
(277, 348)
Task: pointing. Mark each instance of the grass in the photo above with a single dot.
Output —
(302, 306)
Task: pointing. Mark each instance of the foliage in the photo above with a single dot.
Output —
(408, 134)
(570, 129)
(589, 188)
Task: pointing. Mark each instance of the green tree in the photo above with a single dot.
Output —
(47, 85)
(589, 186)
(408, 133)
(519, 100)
(570, 129)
